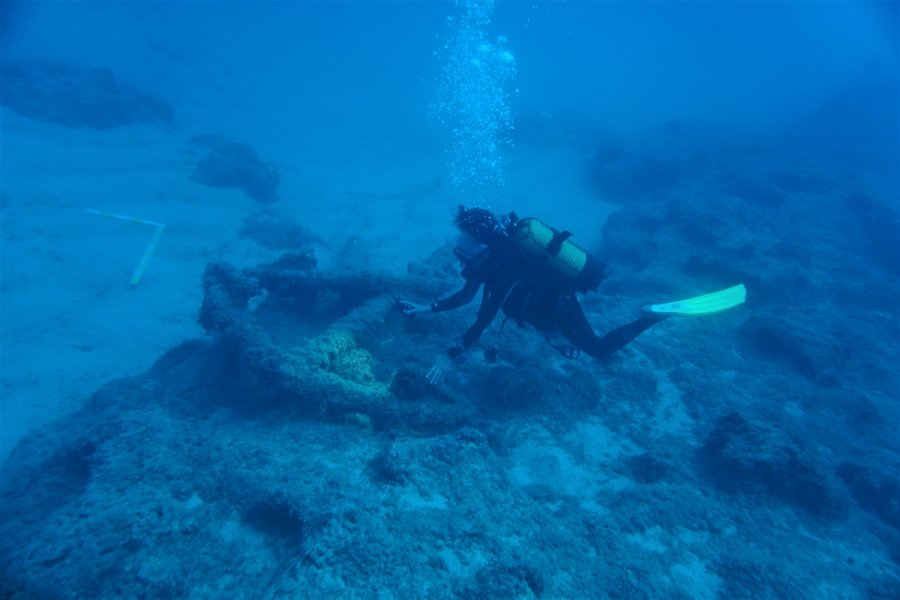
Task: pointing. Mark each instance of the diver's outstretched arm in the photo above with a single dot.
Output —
(460, 298)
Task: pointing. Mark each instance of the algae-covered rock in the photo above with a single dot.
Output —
(408, 384)
(275, 231)
(749, 458)
(76, 95)
(228, 164)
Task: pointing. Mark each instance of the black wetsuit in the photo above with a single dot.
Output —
(511, 284)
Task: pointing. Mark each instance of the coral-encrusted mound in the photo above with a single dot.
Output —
(76, 95)
(228, 164)
(746, 457)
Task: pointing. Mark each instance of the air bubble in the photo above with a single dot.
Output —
(472, 100)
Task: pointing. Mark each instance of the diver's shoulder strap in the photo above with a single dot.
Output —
(556, 243)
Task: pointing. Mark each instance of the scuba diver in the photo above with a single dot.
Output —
(533, 273)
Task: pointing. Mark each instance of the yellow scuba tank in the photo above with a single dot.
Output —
(555, 255)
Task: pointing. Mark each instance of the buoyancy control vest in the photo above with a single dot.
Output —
(555, 256)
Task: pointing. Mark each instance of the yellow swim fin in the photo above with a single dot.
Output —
(700, 305)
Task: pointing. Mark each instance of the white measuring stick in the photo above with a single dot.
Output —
(151, 247)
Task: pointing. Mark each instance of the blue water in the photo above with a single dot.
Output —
(210, 210)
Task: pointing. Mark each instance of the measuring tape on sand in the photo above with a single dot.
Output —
(151, 247)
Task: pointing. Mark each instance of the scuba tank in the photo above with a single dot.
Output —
(554, 255)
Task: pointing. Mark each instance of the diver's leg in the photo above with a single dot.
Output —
(574, 325)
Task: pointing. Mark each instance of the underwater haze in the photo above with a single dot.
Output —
(251, 344)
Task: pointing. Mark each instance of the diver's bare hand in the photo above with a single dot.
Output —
(454, 355)
(411, 309)
(438, 371)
